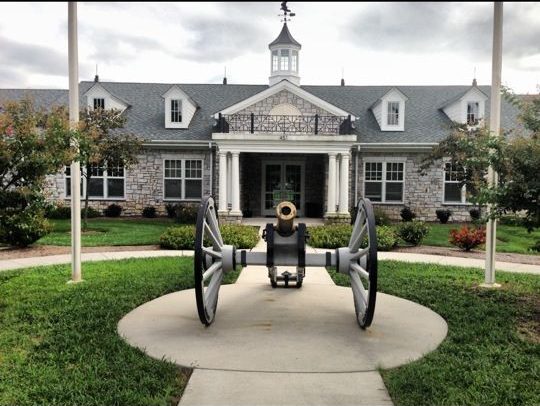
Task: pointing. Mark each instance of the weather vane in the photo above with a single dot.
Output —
(285, 11)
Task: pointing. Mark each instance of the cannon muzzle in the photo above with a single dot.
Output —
(285, 212)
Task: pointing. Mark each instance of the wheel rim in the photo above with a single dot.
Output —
(363, 271)
(208, 265)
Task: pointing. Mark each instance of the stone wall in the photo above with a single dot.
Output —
(264, 106)
(144, 182)
(422, 193)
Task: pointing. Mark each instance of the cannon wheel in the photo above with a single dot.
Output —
(363, 271)
(208, 265)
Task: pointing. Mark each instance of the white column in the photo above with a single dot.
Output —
(344, 186)
(73, 57)
(222, 182)
(235, 184)
(331, 197)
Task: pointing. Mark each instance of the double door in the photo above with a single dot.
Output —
(282, 181)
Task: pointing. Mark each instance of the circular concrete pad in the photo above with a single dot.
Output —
(257, 328)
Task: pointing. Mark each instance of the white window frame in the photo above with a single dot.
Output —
(285, 60)
(178, 110)
(98, 98)
(275, 60)
(476, 116)
(383, 181)
(395, 116)
(463, 189)
(294, 61)
(183, 180)
(105, 178)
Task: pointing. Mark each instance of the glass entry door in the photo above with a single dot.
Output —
(282, 181)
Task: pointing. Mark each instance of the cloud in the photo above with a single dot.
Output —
(32, 58)
(442, 27)
(9, 76)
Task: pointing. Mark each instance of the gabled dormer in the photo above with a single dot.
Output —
(179, 108)
(99, 97)
(467, 108)
(389, 110)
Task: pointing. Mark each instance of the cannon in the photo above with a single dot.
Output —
(285, 246)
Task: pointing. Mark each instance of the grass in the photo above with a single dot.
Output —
(113, 231)
(514, 239)
(491, 355)
(58, 342)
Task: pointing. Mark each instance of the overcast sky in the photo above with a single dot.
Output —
(375, 43)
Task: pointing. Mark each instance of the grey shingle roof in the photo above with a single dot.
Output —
(42, 98)
(284, 38)
(424, 120)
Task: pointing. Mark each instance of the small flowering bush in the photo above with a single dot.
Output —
(467, 238)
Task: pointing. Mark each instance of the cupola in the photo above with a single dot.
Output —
(284, 61)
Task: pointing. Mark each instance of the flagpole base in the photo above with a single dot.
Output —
(490, 285)
(71, 281)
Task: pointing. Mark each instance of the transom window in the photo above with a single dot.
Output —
(105, 182)
(176, 111)
(393, 113)
(99, 103)
(284, 59)
(183, 179)
(384, 181)
(473, 109)
(275, 61)
(453, 192)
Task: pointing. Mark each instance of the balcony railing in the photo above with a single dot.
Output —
(252, 123)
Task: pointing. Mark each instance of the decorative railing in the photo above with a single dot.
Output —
(253, 123)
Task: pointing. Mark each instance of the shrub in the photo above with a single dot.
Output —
(407, 214)
(186, 214)
(511, 220)
(536, 246)
(413, 231)
(64, 212)
(182, 237)
(171, 210)
(467, 238)
(381, 218)
(443, 215)
(113, 210)
(23, 228)
(475, 214)
(149, 212)
(338, 235)
(244, 237)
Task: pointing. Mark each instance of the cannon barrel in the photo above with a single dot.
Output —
(285, 213)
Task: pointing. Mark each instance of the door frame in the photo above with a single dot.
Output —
(302, 164)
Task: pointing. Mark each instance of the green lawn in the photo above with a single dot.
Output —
(492, 353)
(58, 342)
(114, 231)
(509, 238)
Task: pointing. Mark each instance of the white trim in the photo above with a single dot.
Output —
(463, 201)
(383, 181)
(105, 178)
(278, 87)
(182, 179)
(302, 164)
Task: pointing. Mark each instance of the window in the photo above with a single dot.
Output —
(472, 113)
(176, 111)
(384, 181)
(183, 179)
(284, 59)
(294, 61)
(275, 61)
(453, 192)
(105, 182)
(393, 113)
(99, 103)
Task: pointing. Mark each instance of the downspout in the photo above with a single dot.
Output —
(356, 175)
(211, 169)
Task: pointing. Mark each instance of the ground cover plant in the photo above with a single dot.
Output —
(59, 344)
(182, 237)
(491, 355)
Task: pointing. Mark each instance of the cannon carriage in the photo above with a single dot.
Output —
(285, 247)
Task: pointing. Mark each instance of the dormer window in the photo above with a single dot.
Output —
(473, 109)
(176, 111)
(284, 59)
(99, 103)
(393, 113)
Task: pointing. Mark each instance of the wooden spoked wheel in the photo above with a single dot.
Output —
(208, 264)
(363, 264)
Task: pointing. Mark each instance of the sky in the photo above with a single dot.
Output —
(188, 42)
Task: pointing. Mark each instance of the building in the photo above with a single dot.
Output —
(252, 146)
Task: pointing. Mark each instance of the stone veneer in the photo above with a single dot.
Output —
(144, 182)
(422, 193)
(263, 107)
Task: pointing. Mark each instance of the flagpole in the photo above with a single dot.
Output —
(494, 128)
(73, 58)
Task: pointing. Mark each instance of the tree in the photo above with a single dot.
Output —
(101, 146)
(515, 156)
(33, 144)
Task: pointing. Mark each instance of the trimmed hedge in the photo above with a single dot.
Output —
(413, 231)
(183, 237)
(64, 212)
(338, 235)
(113, 210)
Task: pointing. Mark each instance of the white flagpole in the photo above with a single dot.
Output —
(73, 56)
(494, 128)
